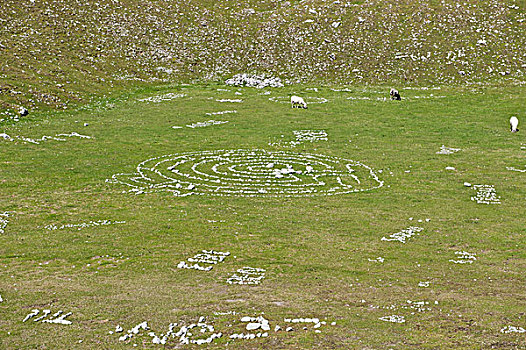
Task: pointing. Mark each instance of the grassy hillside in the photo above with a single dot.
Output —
(58, 52)
(324, 256)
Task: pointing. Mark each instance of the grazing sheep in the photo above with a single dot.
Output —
(514, 123)
(23, 111)
(298, 102)
(395, 95)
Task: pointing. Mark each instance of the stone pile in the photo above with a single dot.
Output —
(257, 81)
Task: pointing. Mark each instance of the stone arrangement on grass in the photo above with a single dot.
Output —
(302, 136)
(310, 135)
(404, 234)
(4, 220)
(393, 319)
(236, 100)
(378, 259)
(515, 169)
(486, 194)
(512, 329)
(221, 112)
(162, 98)
(206, 123)
(202, 333)
(207, 257)
(83, 225)
(247, 275)
(58, 317)
(250, 173)
(463, 257)
(132, 331)
(57, 137)
(447, 150)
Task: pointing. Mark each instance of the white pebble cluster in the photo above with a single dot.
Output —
(464, 258)
(58, 317)
(257, 81)
(80, 226)
(210, 257)
(419, 306)
(207, 123)
(185, 333)
(486, 194)
(512, 329)
(161, 98)
(236, 100)
(221, 112)
(43, 138)
(447, 150)
(302, 136)
(403, 235)
(250, 173)
(393, 318)
(515, 169)
(4, 221)
(310, 135)
(133, 331)
(247, 275)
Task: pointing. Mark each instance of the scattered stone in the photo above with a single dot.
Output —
(515, 169)
(247, 275)
(222, 112)
(210, 257)
(393, 318)
(207, 123)
(512, 329)
(4, 221)
(486, 194)
(257, 81)
(464, 258)
(403, 235)
(83, 225)
(162, 98)
(230, 100)
(59, 317)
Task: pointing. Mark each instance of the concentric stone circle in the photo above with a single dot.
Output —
(250, 173)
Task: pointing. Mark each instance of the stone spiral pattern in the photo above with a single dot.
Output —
(250, 173)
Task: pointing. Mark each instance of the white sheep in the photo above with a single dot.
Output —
(514, 123)
(298, 102)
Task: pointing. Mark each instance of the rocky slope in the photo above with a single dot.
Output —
(55, 52)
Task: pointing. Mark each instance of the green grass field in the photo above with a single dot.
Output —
(319, 252)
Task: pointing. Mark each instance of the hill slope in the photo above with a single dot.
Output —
(58, 51)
